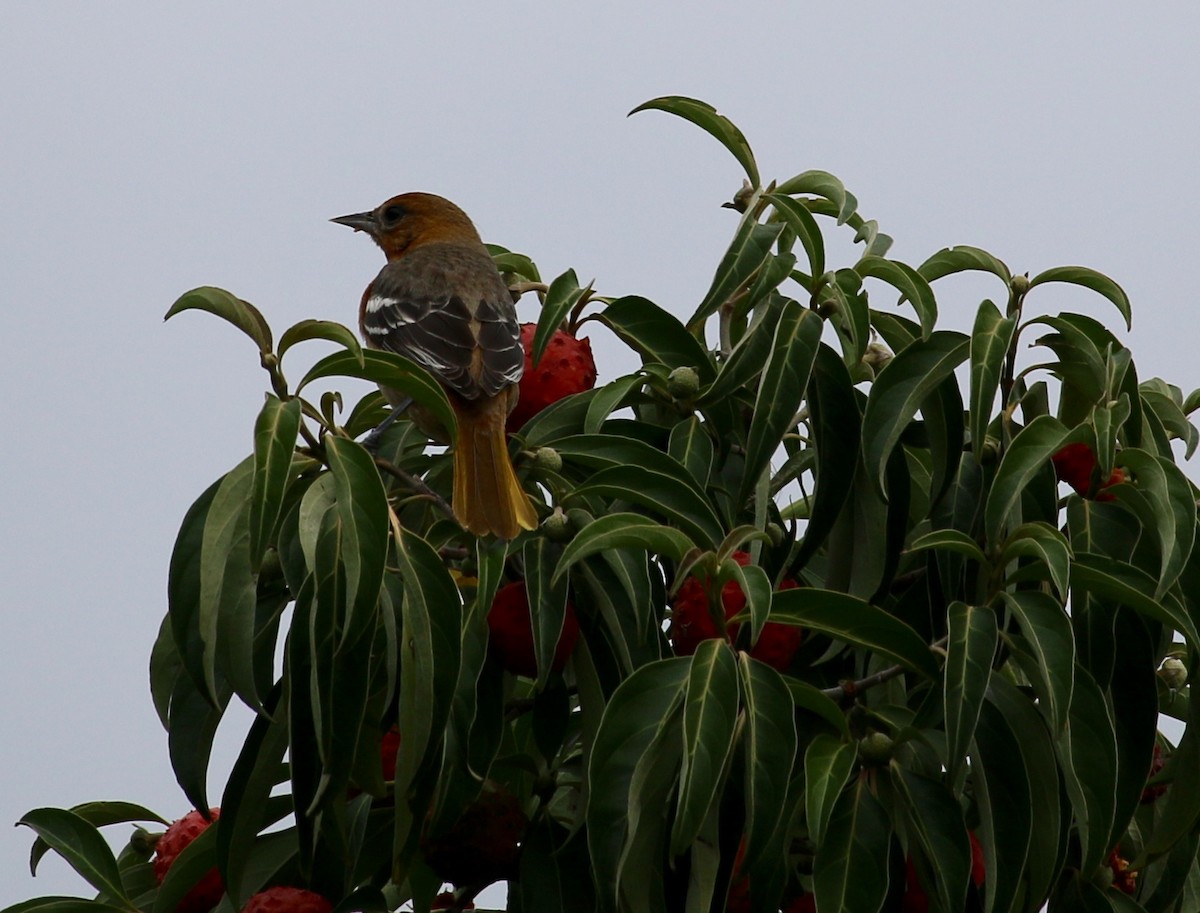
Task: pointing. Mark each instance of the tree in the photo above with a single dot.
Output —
(842, 636)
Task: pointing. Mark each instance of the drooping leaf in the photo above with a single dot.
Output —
(750, 249)
(769, 748)
(991, 339)
(1088, 278)
(242, 314)
(1047, 630)
(77, 841)
(656, 335)
(707, 118)
(850, 871)
(936, 823)
(827, 765)
(562, 295)
(1027, 455)
(797, 217)
(950, 260)
(906, 280)
(1045, 544)
(970, 650)
(547, 601)
(1125, 584)
(824, 185)
(624, 530)
(274, 443)
(320, 329)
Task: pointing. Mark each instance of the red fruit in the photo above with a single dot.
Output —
(208, 891)
(691, 622)
(511, 631)
(483, 845)
(807, 903)
(917, 901)
(389, 747)
(1152, 792)
(1074, 464)
(566, 367)
(1123, 878)
(445, 901)
(287, 900)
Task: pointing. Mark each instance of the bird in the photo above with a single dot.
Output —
(441, 302)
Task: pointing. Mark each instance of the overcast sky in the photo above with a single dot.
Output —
(147, 148)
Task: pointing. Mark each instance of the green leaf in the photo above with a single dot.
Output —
(228, 590)
(1026, 456)
(609, 398)
(709, 719)
(902, 386)
(192, 864)
(321, 329)
(656, 335)
(274, 443)
(672, 497)
(362, 509)
(781, 389)
(769, 750)
(1127, 585)
(242, 314)
(78, 842)
(963, 257)
(751, 247)
(98, 814)
(935, 821)
(1087, 754)
(970, 649)
(635, 731)
(561, 297)
(824, 185)
(827, 766)
(850, 871)
(1088, 278)
(1005, 805)
(705, 116)
(797, 217)
(991, 340)
(1045, 544)
(748, 357)
(857, 622)
(624, 530)
(692, 447)
(1172, 514)
(950, 540)
(1051, 640)
(911, 285)
(809, 698)
(547, 601)
(394, 372)
(57, 904)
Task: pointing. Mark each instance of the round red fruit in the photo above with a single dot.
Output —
(691, 621)
(511, 632)
(1074, 464)
(208, 891)
(566, 367)
(484, 845)
(917, 901)
(287, 900)
(389, 747)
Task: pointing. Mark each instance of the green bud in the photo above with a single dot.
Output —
(875, 749)
(1019, 284)
(683, 383)
(547, 458)
(557, 527)
(1173, 672)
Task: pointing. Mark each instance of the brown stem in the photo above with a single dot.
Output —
(417, 485)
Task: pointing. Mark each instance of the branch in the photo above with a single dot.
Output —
(417, 485)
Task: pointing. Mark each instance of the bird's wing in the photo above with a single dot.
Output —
(447, 309)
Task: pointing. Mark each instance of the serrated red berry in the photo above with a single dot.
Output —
(287, 900)
(208, 891)
(691, 622)
(1074, 463)
(1124, 878)
(566, 367)
(511, 632)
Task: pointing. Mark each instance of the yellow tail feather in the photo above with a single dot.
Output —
(488, 497)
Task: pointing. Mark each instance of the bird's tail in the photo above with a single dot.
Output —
(488, 497)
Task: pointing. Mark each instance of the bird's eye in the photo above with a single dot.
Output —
(393, 214)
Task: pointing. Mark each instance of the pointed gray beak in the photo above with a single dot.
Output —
(359, 221)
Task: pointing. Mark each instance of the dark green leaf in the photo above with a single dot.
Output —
(902, 386)
(320, 329)
(57, 904)
(970, 648)
(274, 443)
(963, 257)
(706, 117)
(672, 497)
(911, 285)
(1088, 278)
(769, 748)
(781, 389)
(709, 718)
(856, 621)
(748, 357)
(1172, 516)
(656, 335)
(827, 765)
(692, 447)
(1047, 631)
(951, 540)
(78, 842)
(936, 822)
(991, 339)
(611, 397)
(547, 601)
(394, 372)
(850, 871)
(242, 314)
(825, 185)
(1026, 456)
(624, 531)
(1005, 807)
(1087, 754)
(1125, 584)
(750, 249)
(797, 217)
(1045, 544)
(562, 295)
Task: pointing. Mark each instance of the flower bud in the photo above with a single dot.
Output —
(1173, 672)
(1019, 285)
(683, 382)
(875, 749)
(547, 458)
(557, 526)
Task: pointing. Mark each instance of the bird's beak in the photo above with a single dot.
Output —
(359, 221)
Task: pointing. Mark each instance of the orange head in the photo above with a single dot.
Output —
(410, 220)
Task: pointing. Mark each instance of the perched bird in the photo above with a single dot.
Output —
(441, 302)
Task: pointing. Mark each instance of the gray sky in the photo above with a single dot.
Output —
(149, 148)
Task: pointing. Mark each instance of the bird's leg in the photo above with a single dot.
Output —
(371, 441)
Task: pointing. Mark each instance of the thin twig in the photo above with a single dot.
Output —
(417, 485)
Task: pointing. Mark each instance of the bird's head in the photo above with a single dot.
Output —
(410, 220)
